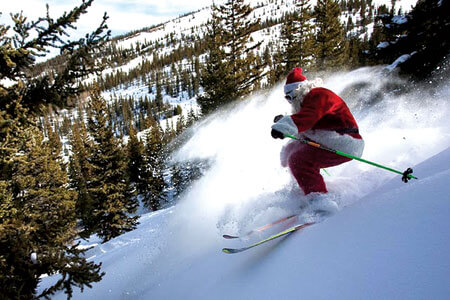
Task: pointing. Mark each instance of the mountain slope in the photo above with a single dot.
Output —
(389, 239)
(391, 245)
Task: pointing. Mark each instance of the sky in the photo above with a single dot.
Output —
(124, 15)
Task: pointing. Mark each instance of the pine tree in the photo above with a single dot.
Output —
(330, 40)
(177, 180)
(184, 173)
(53, 137)
(276, 73)
(41, 189)
(236, 25)
(195, 77)
(181, 125)
(298, 38)
(80, 172)
(154, 155)
(136, 162)
(37, 209)
(191, 118)
(216, 78)
(158, 97)
(424, 36)
(291, 53)
(109, 186)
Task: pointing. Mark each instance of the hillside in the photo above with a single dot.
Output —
(389, 239)
(123, 161)
(170, 56)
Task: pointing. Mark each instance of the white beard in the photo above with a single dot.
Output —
(302, 90)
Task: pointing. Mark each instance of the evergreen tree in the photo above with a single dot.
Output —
(330, 40)
(37, 210)
(195, 77)
(298, 38)
(53, 137)
(154, 155)
(276, 73)
(136, 162)
(216, 78)
(39, 185)
(177, 180)
(422, 34)
(233, 16)
(184, 173)
(181, 125)
(80, 172)
(158, 97)
(109, 186)
(191, 118)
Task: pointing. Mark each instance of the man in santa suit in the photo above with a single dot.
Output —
(321, 116)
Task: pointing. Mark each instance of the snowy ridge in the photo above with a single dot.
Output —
(194, 25)
(389, 240)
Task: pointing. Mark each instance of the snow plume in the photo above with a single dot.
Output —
(246, 186)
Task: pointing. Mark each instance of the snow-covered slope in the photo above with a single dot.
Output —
(388, 240)
(188, 28)
(393, 244)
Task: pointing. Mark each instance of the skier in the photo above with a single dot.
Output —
(321, 116)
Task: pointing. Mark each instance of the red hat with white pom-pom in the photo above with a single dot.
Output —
(293, 80)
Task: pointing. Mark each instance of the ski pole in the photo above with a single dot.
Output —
(406, 174)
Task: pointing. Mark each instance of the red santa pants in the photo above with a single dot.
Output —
(305, 163)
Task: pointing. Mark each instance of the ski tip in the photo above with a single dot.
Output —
(229, 237)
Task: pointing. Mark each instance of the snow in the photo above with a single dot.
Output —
(399, 60)
(405, 5)
(6, 82)
(389, 240)
(382, 45)
(399, 20)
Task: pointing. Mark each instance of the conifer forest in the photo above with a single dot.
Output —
(79, 157)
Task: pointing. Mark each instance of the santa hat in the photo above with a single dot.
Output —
(294, 79)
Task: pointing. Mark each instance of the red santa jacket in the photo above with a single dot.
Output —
(326, 119)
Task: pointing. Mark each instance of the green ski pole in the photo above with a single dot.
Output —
(407, 175)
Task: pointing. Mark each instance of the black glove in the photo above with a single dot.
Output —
(277, 118)
(277, 134)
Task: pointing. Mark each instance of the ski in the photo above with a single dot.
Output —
(262, 228)
(275, 236)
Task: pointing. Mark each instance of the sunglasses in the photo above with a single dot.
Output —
(289, 97)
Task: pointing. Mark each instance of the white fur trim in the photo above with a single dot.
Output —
(286, 125)
(332, 139)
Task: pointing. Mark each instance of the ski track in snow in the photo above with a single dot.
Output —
(175, 252)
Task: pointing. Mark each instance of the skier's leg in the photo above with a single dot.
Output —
(305, 164)
(305, 170)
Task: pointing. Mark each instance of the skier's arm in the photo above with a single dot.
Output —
(314, 107)
(284, 126)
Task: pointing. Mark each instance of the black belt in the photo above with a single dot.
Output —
(347, 130)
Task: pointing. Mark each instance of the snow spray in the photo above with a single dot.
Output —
(246, 186)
